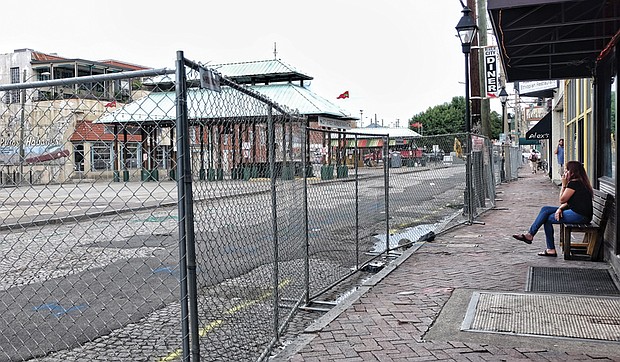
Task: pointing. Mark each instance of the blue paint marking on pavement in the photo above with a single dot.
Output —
(164, 269)
(58, 310)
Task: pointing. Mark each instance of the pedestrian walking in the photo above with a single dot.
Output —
(533, 160)
(575, 207)
(559, 151)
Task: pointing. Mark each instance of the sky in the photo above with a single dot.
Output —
(396, 58)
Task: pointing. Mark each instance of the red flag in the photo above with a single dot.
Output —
(343, 95)
(416, 125)
(111, 104)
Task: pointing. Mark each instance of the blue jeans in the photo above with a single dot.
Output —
(546, 218)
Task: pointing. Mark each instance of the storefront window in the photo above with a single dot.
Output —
(610, 127)
(101, 156)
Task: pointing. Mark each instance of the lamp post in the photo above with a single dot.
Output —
(466, 29)
(503, 97)
(361, 119)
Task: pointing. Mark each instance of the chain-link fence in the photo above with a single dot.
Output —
(88, 265)
(165, 215)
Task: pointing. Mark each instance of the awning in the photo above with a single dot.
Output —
(552, 39)
(525, 141)
(541, 130)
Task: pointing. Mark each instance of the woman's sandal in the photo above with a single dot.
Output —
(545, 253)
(522, 238)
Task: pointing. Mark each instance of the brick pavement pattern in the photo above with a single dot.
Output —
(390, 321)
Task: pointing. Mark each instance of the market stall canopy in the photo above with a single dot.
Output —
(553, 39)
(160, 107)
(541, 130)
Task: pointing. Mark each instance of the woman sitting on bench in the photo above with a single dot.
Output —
(575, 207)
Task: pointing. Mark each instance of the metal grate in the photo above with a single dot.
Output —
(569, 316)
(580, 281)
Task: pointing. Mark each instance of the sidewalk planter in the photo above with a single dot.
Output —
(211, 174)
(172, 174)
(327, 172)
(287, 172)
(150, 175)
(125, 175)
(247, 173)
(215, 174)
(202, 175)
(236, 173)
(342, 172)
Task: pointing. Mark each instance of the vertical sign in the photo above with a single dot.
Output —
(490, 64)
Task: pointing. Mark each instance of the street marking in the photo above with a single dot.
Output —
(211, 326)
(164, 269)
(203, 331)
(56, 309)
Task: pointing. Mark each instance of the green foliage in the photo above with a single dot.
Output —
(442, 119)
(497, 125)
(450, 118)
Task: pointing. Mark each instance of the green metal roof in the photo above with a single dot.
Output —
(262, 71)
(160, 106)
(301, 99)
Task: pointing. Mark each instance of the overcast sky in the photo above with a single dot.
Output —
(396, 58)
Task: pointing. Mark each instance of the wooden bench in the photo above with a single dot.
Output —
(590, 247)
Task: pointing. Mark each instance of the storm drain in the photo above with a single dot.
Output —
(581, 281)
(584, 317)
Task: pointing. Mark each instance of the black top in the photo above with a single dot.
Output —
(581, 201)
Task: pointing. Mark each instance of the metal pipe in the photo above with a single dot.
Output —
(22, 125)
(304, 157)
(386, 178)
(180, 99)
(274, 218)
(357, 207)
(468, 192)
(87, 79)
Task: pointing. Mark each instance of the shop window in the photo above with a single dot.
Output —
(609, 134)
(130, 154)
(101, 156)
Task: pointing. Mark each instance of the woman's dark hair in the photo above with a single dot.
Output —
(579, 173)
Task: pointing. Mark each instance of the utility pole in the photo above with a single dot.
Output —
(474, 76)
(485, 106)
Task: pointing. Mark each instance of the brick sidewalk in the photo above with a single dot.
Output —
(395, 319)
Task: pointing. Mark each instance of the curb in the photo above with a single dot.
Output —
(317, 326)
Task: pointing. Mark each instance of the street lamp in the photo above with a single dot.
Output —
(361, 119)
(503, 97)
(466, 29)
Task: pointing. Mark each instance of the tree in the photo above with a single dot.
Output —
(450, 118)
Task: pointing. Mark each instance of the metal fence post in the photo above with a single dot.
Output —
(304, 157)
(274, 217)
(469, 195)
(386, 177)
(181, 120)
(357, 208)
